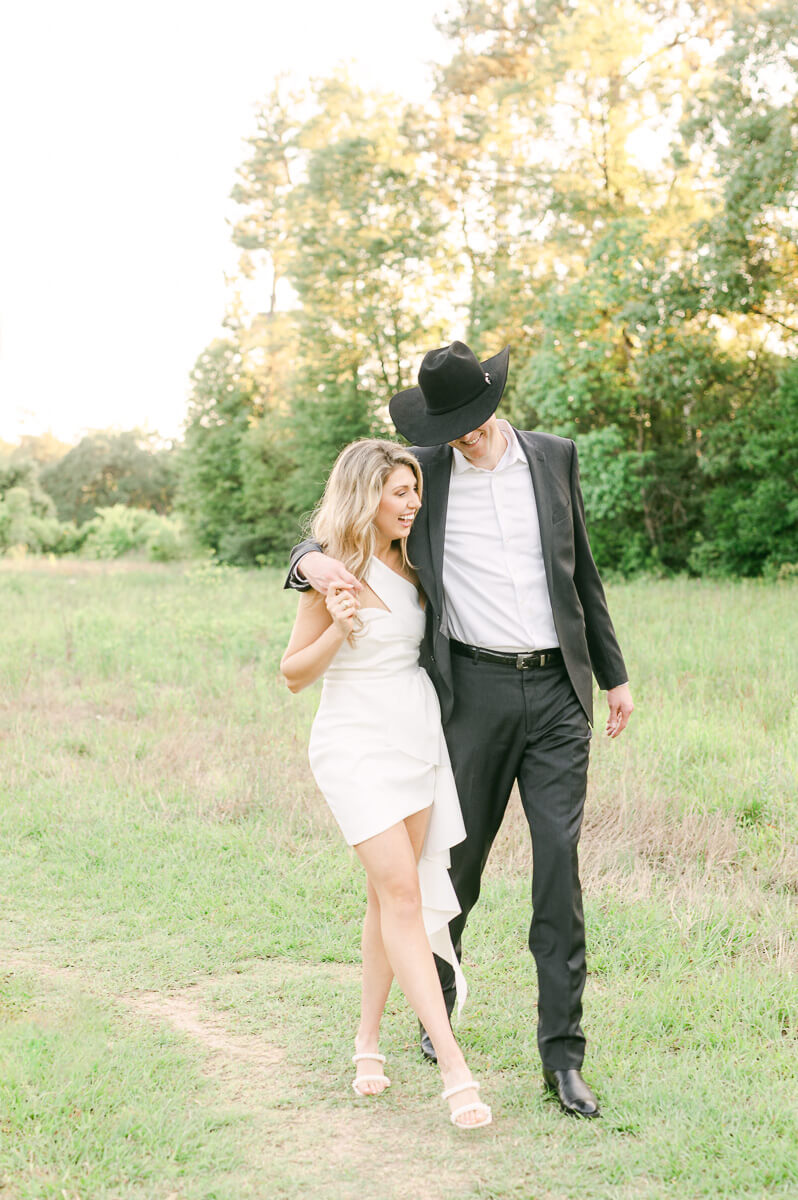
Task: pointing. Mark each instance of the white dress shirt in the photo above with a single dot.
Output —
(494, 580)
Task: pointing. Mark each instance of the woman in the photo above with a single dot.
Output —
(378, 754)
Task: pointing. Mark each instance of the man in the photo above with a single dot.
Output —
(516, 623)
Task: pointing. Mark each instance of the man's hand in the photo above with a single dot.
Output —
(620, 702)
(323, 572)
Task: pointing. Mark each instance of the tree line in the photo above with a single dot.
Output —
(610, 189)
(107, 496)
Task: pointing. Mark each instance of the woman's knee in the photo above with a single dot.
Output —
(399, 894)
(372, 899)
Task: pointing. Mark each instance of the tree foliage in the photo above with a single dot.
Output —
(40, 448)
(23, 473)
(107, 468)
(610, 189)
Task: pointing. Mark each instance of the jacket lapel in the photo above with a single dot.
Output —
(537, 469)
(436, 498)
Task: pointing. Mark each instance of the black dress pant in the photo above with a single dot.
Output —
(526, 725)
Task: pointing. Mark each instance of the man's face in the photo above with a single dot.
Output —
(483, 447)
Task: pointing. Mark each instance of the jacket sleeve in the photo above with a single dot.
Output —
(602, 644)
(294, 579)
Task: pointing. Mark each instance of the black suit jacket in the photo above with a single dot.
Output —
(584, 629)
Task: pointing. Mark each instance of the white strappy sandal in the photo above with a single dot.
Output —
(356, 1058)
(474, 1106)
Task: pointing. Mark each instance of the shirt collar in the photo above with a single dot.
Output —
(512, 454)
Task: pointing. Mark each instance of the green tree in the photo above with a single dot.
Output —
(26, 523)
(43, 448)
(620, 370)
(265, 236)
(742, 124)
(235, 463)
(750, 519)
(221, 410)
(339, 207)
(369, 271)
(646, 284)
(267, 463)
(16, 472)
(547, 110)
(107, 468)
(609, 188)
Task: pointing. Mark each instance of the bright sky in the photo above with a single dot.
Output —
(122, 128)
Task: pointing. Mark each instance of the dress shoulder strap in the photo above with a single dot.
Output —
(387, 583)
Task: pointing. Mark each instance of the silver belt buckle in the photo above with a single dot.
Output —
(524, 661)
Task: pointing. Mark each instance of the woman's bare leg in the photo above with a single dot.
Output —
(377, 971)
(377, 979)
(390, 860)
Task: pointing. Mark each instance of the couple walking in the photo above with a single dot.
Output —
(462, 563)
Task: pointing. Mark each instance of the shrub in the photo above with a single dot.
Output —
(167, 540)
(120, 530)
(52, 536)
(24, 527)
(116, 531)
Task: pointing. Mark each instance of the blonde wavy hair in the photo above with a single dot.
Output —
(343, 521)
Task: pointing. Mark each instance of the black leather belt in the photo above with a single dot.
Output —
(525, 661)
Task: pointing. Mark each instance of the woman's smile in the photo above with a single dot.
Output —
(398, 505)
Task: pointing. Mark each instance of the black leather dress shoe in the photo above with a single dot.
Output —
(574, 1095)
(427, 1048)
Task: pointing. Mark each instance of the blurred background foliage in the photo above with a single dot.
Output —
(612, 190)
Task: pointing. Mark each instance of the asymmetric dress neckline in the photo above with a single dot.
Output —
(386, 573)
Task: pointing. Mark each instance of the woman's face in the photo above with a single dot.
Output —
(399, 504)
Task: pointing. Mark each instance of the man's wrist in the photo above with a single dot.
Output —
(297, 580)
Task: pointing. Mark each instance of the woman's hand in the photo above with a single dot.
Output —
(342, 607)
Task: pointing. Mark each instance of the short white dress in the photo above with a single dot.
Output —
(377, 749)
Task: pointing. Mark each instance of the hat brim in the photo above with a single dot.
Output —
(411, 417)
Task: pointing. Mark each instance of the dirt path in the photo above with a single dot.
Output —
(186, 1016)
(294, 1146)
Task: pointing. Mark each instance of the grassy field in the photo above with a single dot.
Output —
(180, 919)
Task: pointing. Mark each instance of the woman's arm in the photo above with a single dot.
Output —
(321, 626)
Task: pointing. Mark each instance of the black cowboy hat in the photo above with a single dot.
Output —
(456, 393)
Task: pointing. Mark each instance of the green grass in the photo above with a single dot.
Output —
(161, 833)
(95, 1108)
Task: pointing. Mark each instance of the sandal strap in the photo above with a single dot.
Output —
(478, 1106)
(356, 1058)
(460, 1087)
